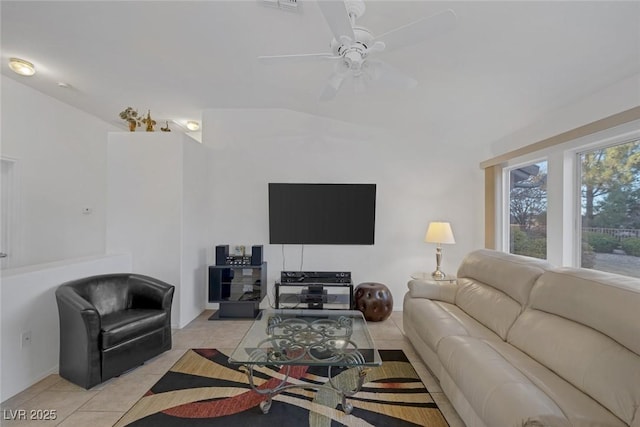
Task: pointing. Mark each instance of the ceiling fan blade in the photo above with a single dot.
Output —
(360, 83)
(336, 79)
(333, 86)
(305, 57)
(380, 73)
(418, 31)
(335, 13)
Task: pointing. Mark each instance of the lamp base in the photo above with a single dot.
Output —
(439, 275)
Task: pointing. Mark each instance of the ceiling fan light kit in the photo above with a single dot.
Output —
(354, 45)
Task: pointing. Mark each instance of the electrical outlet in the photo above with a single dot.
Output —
(25, 338)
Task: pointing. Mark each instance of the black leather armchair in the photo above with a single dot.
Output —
(110, 324)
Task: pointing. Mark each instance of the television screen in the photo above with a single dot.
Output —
(322, 214)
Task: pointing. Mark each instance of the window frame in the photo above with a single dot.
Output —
(564, 208)
(579, 151)
(505, 240)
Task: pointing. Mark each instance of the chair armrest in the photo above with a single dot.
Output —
(148, 292)
(441, 291)
(79, 338)
(72, 299)
(77, 309)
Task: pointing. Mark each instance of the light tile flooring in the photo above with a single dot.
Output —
(104, 404)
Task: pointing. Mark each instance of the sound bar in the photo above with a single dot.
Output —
(315, 277)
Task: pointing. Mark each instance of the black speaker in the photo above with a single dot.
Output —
(222, 252)
(256, 255)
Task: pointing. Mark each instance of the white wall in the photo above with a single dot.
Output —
(561, 216)
(157, 210)
(143, 208)
(29, 304)
(196, 229)
(60, 167)
(619, 96)
(417, 181)
(60, 155)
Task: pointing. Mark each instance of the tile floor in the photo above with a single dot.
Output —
(104, 404)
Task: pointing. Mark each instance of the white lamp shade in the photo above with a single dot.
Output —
(439, 232)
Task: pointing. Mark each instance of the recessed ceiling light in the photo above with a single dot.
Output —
(22, 67)
(193, 125)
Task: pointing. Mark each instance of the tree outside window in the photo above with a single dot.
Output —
(528, 210)
(610, 200)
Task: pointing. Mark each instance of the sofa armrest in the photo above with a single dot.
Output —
(441, 291)
(148, 292)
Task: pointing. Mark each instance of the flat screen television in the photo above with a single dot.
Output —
(322, 214)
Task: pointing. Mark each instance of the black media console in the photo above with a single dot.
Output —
(237, 282)
(315, 290)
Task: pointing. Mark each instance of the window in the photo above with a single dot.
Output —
(610, 208)
(584, 185)
(528, 210)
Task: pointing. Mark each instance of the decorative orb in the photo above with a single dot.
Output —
(374, 301)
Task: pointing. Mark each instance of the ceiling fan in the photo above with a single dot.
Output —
(354, 48)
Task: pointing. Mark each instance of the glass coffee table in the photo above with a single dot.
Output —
(337, 339)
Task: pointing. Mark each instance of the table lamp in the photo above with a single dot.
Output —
(439, 232)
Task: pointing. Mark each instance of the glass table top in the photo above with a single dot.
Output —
(307, 337)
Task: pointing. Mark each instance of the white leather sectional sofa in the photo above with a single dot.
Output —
(518, 342)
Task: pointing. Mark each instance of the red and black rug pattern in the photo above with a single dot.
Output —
(203, 389)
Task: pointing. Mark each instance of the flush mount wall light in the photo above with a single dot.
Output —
(22, 67)
(192, 125)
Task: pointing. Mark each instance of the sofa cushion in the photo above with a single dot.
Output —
(579, 408)
(498, 392)
(494, 286)
(513, 275)
(434, 320)
(606, 302)
(124, 325)
(489, 306)
(591, 361)
(584, 325)
(107, 294)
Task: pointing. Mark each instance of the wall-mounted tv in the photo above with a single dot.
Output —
(322, 214)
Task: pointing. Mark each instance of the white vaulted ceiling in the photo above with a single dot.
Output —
(503, 65)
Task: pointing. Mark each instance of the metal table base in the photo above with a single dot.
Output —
(330, 385)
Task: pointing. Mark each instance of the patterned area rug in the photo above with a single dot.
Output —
(203, 389)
